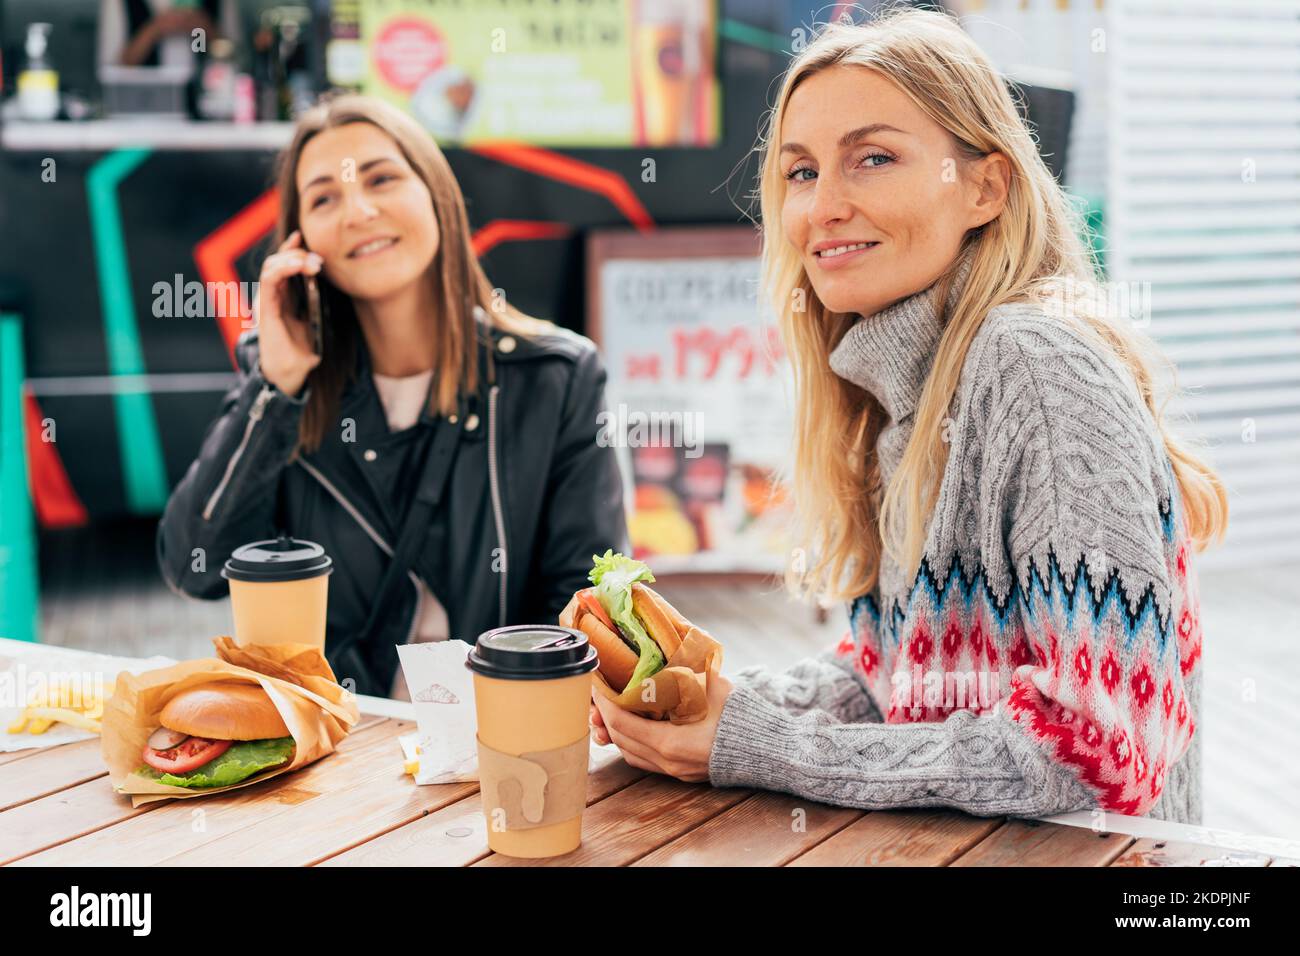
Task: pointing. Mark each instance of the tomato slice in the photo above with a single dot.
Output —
(587, 598)
(189, 755)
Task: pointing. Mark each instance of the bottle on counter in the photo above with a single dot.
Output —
(217, 83)
(245, 98)
(345, 57)
(38, 82)
(282, 63)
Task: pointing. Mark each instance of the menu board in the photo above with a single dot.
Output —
(561, 73)
(699, 396)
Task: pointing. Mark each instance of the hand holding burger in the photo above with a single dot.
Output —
(654, 664)
(677, 750)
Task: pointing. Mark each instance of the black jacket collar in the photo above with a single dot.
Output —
(496, 346)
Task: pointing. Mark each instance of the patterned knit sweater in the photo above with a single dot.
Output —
(1045, 657)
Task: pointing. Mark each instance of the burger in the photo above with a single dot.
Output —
(634, 630)
(215, 735)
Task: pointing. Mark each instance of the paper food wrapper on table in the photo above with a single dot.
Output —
(316, 709)
(679, 692)
(27, 668)
(442, 693)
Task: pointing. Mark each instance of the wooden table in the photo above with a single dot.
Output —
(357, 808)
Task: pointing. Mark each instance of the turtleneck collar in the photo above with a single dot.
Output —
(889, 353)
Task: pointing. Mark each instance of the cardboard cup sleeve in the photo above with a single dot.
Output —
(535, 789)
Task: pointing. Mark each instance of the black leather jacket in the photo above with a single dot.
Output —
(528, 477)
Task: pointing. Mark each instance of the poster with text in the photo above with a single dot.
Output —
(562, 73)
(699, 396)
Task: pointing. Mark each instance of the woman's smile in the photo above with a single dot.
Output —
(373, 247)
(843, 255)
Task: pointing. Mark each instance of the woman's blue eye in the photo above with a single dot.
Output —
(381, 178)
(869, 160)
(318, 200)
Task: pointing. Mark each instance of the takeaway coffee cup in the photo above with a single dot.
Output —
(278, 591)
(532, 690)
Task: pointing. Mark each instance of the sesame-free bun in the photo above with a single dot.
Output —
(646, 606)
(680, 624)
(617, 656)
(617, 660)
(224, 710)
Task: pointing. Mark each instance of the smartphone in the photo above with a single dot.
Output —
(308, 296)
(313, 314)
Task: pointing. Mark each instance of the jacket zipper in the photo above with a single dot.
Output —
(372, 534)
(495, 484)
(415, 611)
(254, 416)
(347, 506)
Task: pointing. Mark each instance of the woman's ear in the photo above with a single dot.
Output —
(991, 177)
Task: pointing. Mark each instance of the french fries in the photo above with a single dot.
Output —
(411, 750)
(63, 702)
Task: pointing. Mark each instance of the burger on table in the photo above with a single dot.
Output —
(215, 735)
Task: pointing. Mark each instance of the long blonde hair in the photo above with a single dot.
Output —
(843, 517)
(458, 279)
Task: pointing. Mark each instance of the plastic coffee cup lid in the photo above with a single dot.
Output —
(280, 559)
(532, 652)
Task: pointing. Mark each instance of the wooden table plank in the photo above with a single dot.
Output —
(53, 769)
(768, 829)
(357, 808)
(456, 835)
(1146, 852)
(1033, 843)
(636, 821)
(49, 771)
(92, 825)
(62, 817)
(12, 755)
(901, 838)
(348, 804)
(355, 803)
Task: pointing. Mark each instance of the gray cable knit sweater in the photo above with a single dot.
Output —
(1046, 657)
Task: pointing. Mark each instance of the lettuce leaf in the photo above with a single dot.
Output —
(241, 760)
(613, 576)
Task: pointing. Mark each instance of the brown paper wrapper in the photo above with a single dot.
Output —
(681, 688)
(316, 709)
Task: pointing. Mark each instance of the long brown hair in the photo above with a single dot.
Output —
(846, 521)
(460, 285)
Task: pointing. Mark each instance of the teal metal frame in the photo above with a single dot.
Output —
(19, 570)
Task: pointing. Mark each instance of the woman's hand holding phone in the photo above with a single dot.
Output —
(287, 352)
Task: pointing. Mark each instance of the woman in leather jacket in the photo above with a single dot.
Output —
(499, 441)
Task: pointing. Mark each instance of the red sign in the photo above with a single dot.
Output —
(407, 50)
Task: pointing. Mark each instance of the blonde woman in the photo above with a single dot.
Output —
(981, 469)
